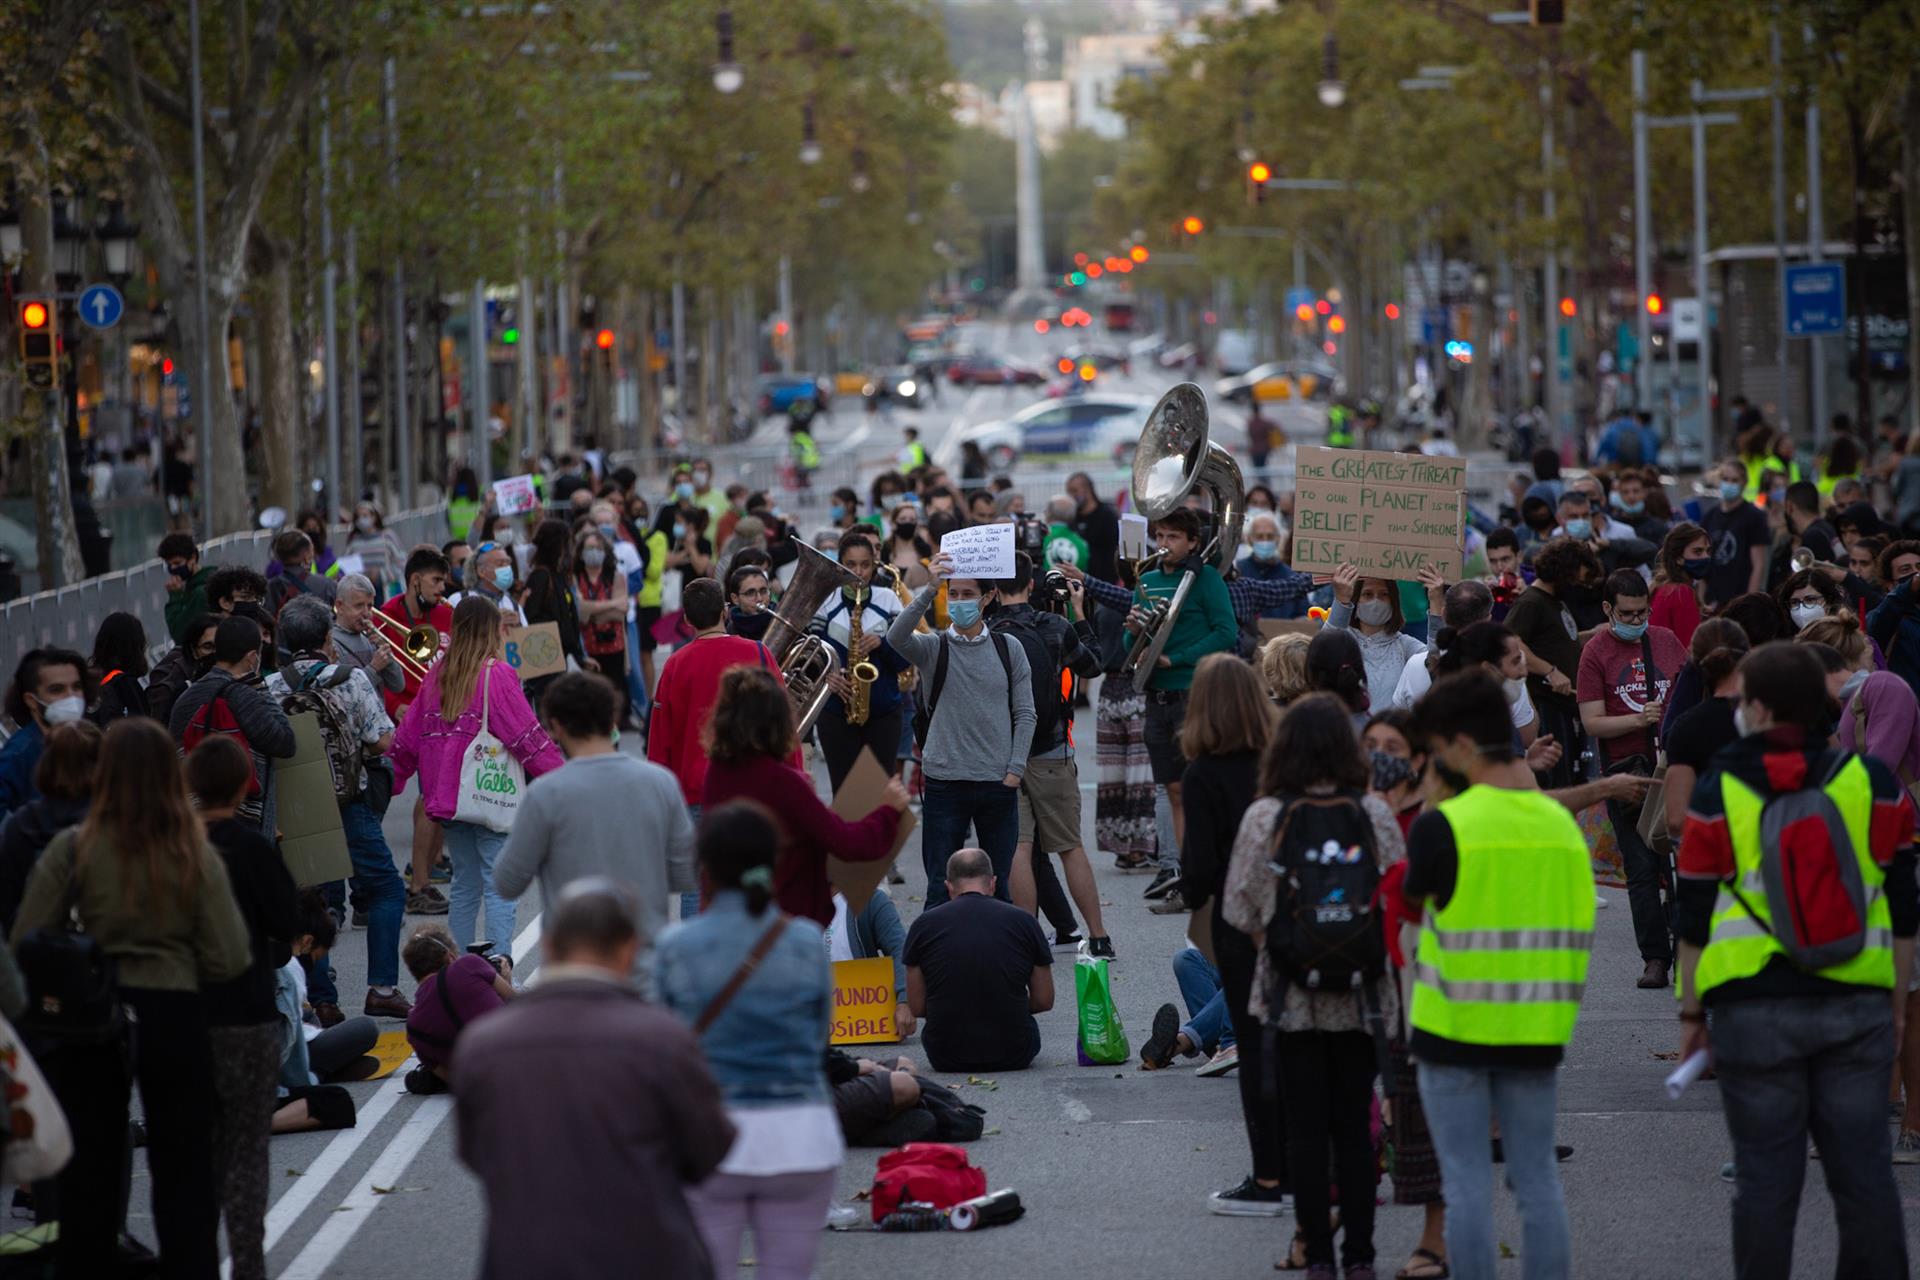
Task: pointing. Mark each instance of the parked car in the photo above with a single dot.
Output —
(1096, 425)
(778, 391)
(902, 385)
(992, 371)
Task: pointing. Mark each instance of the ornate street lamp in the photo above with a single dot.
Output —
(69, 245)
(117, 239)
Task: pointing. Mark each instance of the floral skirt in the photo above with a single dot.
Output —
(1123, 806)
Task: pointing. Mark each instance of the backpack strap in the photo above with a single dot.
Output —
(939, 679)
(718, 1005)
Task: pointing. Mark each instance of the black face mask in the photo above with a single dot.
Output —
(1455, 781)
(751, 626)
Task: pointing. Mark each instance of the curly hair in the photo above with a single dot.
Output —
(752, 717)
(1283, 666)
(1563, 561)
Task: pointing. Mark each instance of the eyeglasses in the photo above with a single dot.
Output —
(1797, 601)
(1630, 616)
(753, 593)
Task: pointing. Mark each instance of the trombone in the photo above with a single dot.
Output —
(414, 648)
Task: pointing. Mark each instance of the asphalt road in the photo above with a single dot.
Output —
(1113, 1164)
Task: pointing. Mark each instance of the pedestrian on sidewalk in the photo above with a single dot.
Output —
(1798, 1050)
(755, 985)
(1498, 865)
(472, 685)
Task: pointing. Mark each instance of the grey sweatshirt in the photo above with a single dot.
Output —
(613, 815)
(972, 738)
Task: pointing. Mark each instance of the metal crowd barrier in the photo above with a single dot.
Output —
(68, 617)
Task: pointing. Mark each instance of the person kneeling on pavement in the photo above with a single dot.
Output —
(978, 969)
(453, 991)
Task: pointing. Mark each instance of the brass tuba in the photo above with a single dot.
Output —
(806, 660)
(1174, 457)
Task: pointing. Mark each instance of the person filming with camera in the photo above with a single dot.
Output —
(1061, 647)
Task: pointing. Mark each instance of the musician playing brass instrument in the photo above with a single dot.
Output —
(843, 618)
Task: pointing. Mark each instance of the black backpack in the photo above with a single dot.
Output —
(1045, 677)
(1325, 935)
(954, 1120)
(72, 994)
(343, 749)
(923, 712)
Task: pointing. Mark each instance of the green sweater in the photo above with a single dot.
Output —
(157, 941)
(184, 606)
(1205, 625)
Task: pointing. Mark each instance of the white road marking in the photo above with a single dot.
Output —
(858, 437)
(288, 1208)
(341, 1226)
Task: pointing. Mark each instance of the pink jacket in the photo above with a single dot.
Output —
(427, 745)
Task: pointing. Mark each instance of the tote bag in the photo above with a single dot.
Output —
(38, 1141)
(491, 780)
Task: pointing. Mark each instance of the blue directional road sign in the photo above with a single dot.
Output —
(1816, 300)
(101, 306)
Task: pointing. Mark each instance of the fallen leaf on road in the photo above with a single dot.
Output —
(865, 1193)
(984, 1084)
(988, 1133)
(1666, 1055)
(1506, 1250)
(388, 1191)
(294, 1173)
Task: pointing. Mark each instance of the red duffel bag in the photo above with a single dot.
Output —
(932, 1173)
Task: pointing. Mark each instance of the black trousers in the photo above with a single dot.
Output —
(614, 667)
(1258, 1074)
(1645, 870)
(173, 1061)
(840, 742)
(1052, 897)
(1327, 1080)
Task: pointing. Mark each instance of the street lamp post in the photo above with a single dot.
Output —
(1333, 90)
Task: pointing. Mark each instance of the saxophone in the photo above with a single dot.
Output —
(860, 672)
(898, 582)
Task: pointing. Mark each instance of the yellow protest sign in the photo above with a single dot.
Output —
(863, 1001)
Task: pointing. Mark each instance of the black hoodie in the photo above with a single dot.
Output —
(25, 835)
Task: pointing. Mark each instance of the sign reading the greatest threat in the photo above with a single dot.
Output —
(1391, 514)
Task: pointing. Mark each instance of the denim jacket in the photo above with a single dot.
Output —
(768, 1048)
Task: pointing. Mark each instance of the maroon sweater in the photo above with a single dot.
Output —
(810, 831)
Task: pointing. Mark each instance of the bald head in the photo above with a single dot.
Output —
(969, 871)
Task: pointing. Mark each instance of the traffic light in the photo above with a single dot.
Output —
(1569, 308)
(1655, 304)
(1257, 174)
(1393, 311)
(38, 351)
(604, 339)
(1192, 225)
(1336, 324)
(1041, 325)
(1548, 13)
(1304, 313)
(509, 336)
(1138, 253)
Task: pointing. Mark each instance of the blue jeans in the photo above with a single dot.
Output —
(1207, 1026)
(378, 889)
(690, 902)
(473, 849)
(636, 679)
(1461, 1103)
(1792, 1066)
(992, 809)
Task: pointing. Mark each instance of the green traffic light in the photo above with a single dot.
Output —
(1079, 277)
(510, 336)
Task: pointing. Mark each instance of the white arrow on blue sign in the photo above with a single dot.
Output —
(101, 306)
(1816, 301)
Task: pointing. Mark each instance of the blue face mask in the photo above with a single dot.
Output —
(606, 531)
(1731, 490)
(1631, 634)
(1265, 550)
(1631, 508)
(1699, 567)
(683, 490)
(503, 577)
(831, 553)
(679, 531)
(836, 513)
(1579, 530)
(965, 613)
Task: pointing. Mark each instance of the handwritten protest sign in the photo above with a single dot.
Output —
(1133, 536)
(861, 792)
(1391, 514)
(515, 495)
(863, 1001)
(983, 551)
(535, 651)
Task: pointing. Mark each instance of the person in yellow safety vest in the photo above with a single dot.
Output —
(1799, 1050)
(654, 547)
(1339, 427)
(912, 454)
(1841, 463)
(1500, 879)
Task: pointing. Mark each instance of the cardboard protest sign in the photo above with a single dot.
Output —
(1271, 627)
(1133, 536)
(535, 651)
(1390, 514)
(859, 795)
(312, 839)
(982, 551)
(515, 495)
(863, 1001)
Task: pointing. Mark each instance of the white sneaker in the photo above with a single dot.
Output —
(1599, 901)
(842, 1217)
(1906, 1147)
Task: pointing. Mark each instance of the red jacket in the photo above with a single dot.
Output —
(440, 618)
(683, 699)
(809, 830)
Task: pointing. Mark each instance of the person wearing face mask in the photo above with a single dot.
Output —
(1798, 1044)
(1371, 607)
(1811, 595)
(1546, 626)
(1625, 674)
(50, 687)
(294, 550)
(750, 599)
(381, 555)
(231, 699)
(878, 606)
(1894, 623)
(1265, 563)
(600, 595)
(905, 547)
(1490, 1023)
(1679, 578)
(690, 552)
(1098, 525)
(1740, 537)
(1631, 506)
(709, 499)
(490, 574)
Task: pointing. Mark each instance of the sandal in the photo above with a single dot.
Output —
(1425, 1264)
(1296, 1259)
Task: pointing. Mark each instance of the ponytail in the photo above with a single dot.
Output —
(738, 843)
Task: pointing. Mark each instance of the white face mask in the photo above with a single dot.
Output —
(64, 710)
(1805, 614)
(1741, 725)
(1375, 613)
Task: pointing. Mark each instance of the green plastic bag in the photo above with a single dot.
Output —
(1103, 1041)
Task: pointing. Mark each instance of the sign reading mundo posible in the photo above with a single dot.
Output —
(1390, 514)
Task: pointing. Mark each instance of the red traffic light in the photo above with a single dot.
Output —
(1064, 364)
(1655, 305)
(33, 315)
(166, 366)
(1079, 259)
(1569, 308)
(1093, 271)
(1393, 311)
(1324, 307)
(1192, 225)
(1041, 326)
(1258, 172)
(604, 339)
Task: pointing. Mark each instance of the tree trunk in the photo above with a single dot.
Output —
(56, 541)
(280, 401)
(1857, 274)
(1910, 200)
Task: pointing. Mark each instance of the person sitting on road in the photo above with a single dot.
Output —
(978, 969)
(453, 991)
(878, 1103)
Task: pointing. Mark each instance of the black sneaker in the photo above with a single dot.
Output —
(1101, 949)
(1251, 1200)
(1065, 939)
(1163, 883)
(1157, 1052)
